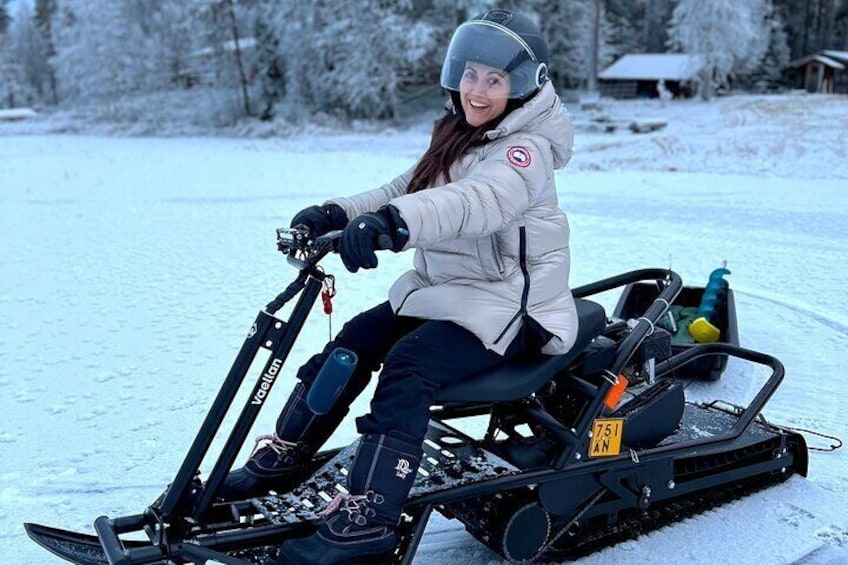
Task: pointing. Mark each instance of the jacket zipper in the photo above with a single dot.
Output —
(525, 293)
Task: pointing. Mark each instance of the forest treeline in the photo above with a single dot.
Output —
(367, 58)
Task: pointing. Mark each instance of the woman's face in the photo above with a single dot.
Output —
(484, 92)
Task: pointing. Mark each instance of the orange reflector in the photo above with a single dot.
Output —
(614, 394)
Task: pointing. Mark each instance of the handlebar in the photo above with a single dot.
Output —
(303, 252)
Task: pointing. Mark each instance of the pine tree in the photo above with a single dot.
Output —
(5, 18)
(45, 10)
(813, 25)
(268, 67)
(568, 29)
(25, 47)
(777, 55)
(20, 79)
(766, 72)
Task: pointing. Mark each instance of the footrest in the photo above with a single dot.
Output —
(450, 459)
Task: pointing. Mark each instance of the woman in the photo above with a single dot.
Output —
(490, 282)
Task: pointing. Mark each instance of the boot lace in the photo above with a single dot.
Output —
(356, 506)
(276, 444)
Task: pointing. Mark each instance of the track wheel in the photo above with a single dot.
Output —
(526, 534)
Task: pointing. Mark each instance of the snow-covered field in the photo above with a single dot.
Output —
(132, 268)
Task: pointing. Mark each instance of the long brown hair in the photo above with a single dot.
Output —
(452, 138)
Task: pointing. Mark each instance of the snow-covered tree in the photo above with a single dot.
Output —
(22, 61)
(731, 35)
(45, 10)
(351, 59)
(102, 52)
(175, 33)
(25, 46)
(359, 51)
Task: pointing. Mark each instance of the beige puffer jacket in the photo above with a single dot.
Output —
(491, 246)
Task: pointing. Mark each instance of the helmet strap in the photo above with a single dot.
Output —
(457, 104)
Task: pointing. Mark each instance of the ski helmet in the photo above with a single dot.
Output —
(503, 40)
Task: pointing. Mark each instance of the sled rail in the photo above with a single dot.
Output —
(763, 395)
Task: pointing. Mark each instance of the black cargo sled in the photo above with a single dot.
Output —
(636, 297)
(579, 451)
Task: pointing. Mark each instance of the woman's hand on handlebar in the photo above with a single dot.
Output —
(320, 219)
(383, 229)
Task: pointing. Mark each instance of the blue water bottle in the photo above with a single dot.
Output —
(331, 380)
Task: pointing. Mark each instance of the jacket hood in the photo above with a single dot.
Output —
(542, 115)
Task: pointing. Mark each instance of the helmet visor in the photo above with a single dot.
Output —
(494, 46)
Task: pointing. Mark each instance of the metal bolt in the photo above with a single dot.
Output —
(783, 469)
(269, 343)
(646, 490)
(574, 529)
(578, 456)
(670, 485)
(278, 325)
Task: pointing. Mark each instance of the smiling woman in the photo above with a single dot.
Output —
(484, 92)
(489, 284)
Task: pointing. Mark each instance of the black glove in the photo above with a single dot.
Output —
(383, 229)
(321, 219)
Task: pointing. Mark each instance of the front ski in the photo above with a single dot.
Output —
(451, 460)
(82, 549)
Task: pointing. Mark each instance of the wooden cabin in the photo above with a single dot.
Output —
(826, 72)
(648, 75)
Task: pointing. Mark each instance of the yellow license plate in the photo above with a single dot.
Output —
(606, 437)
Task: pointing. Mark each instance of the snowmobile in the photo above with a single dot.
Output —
(579, 451)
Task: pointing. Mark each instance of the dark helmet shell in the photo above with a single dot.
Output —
(503, 40)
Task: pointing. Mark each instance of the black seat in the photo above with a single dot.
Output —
(516, 379)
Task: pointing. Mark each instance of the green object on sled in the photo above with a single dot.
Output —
(704, 329)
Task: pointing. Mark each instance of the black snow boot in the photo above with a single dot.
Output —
(362, 526)
(282, 460)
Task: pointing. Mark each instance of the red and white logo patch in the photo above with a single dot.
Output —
(518, 156)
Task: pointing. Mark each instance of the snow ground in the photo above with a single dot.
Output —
(132, 268)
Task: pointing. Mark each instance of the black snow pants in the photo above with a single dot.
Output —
(418, 356)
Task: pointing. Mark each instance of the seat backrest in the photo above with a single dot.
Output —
(516, 379)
